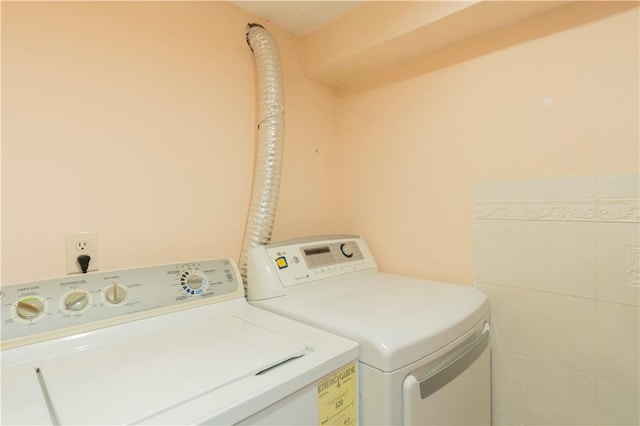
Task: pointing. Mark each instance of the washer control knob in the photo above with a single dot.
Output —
(76, 301)
(346, 250)
(29, 308)
(194, 282)
(115, 294)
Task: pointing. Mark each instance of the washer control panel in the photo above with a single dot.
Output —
(273, 268)
(41, 310)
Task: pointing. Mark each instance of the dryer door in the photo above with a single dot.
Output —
(455, 389)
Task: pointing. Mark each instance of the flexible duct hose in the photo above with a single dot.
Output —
(268, 166)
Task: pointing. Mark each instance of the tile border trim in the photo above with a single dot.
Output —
(560, 210)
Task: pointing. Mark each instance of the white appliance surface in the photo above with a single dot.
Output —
(219, 362)
(392, 317)
(424, 345)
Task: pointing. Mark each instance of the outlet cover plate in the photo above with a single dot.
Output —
(79, 243)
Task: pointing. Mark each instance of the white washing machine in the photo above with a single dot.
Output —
(424, 345)
(173, 344)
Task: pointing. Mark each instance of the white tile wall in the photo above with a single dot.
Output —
(556, 396)
(499, 248)
(561, 257)
(618, 334)
(618, 263)
(498, 420)
(618, 187)
(560, 330)
(560, 261)
(578, 188)
(508, 317)
(617, 405)
(507, 393)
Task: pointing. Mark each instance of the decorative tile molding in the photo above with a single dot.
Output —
(619, 210)
(609, 198)
(602, 211)
(562, 210)
(633, 265)
(501, 210)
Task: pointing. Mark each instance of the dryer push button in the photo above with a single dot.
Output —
(282, 262)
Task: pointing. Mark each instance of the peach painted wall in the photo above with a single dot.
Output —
(413, 146)
(136, 120)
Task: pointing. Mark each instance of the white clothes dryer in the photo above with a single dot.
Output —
(424, 345)
(171, 344)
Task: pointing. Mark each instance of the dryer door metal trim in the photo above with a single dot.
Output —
(454, 363)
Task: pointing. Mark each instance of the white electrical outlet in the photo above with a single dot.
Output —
(79, 243)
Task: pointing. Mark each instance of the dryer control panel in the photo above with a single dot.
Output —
(275, 269)
(46, 309)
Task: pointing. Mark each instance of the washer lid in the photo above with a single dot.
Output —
(131, 379)
(396, 319)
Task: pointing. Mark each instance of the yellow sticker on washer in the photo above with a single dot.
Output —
(338, 397)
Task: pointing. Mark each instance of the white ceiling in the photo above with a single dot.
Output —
(299, 17)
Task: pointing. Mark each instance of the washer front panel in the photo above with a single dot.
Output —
(41, 310)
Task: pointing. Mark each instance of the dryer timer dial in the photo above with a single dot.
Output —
(346, 249)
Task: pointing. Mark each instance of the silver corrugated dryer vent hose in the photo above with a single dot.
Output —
(268, 166)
